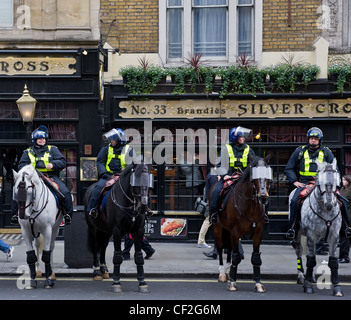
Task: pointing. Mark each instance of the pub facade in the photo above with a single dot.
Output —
(267, 33)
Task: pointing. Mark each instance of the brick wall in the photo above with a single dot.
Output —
(136, 25)
(295, 34)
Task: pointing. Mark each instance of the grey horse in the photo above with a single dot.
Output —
(320, 219)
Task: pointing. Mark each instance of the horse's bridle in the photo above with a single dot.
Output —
(133, 209)
(22, 199)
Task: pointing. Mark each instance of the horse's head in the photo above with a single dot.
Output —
(141, 180)
(327, 180)
(23, 190)
(261, 177)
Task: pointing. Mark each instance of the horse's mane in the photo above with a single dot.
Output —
(138, 169)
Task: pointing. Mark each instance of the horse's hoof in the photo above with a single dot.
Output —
(32, 285)
(232, 286)
(144, 288)
(300, 281)
(117, 288)
(337, 292)
(222, 278)
(98, 278)
(105, 275)
(307, 288)
(53, 276)
(49, 283)
(259, 288)
(38, 274)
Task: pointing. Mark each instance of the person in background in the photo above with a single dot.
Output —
(7, 249)
(145, 246)
(344, 241)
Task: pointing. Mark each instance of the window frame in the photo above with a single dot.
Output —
(232, 34)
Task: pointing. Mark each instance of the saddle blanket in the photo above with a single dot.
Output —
(107, 188)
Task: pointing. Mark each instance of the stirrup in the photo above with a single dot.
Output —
(214, 218)
(94, 213)
(348, 232)
(290, 234)
(67, 219)
(14, 220)
(148, 212)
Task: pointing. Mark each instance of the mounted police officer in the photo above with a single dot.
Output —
(112, 159)
(302, 168)
(235, 156)
(50, 161)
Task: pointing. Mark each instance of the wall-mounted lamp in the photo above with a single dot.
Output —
(26, 105)
(82, 51)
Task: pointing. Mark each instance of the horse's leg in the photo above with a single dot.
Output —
(139, 261)
(236, 259)
(256, 259)
(94, 245)
(39, 245)
(117, 260)
(310, 263)
(31, 256)
(299, 252)
(218, 233)
(46, 257)
(105, 238)
(333, 264)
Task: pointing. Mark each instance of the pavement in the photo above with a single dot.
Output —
(176, 259)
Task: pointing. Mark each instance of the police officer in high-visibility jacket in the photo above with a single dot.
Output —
(49, 160)
(235, 156)
(301, 169)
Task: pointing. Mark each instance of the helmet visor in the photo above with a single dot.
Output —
(115, 135)
(243, 132)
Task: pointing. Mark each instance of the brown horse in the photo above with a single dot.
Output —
(242, 215)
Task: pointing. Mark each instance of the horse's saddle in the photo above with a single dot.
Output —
(307, 190)
(53, 187)
(223, 196)
(106, 189)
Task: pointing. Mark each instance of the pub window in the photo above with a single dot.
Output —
(6, 13)
(348, 134)
(218, 29)
(69, 174)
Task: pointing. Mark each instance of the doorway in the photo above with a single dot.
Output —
(9, 157)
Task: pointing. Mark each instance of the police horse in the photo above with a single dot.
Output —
(244, 214)
(39, 215)
(320, 219)
(123, 209)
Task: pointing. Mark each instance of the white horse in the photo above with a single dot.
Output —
(320, 219)
(39, 214)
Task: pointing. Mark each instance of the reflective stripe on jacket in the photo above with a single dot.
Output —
(308, 162)
(111, 155)
(233, 159)
(45, 159)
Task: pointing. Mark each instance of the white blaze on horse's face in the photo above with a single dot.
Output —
(327, 180)
(262, 177)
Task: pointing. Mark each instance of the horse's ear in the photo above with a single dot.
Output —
(267, 158)
(15, 175)
(334, 164)
(319, 164)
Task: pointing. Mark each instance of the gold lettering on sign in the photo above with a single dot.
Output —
(271, 108)
(37, 66)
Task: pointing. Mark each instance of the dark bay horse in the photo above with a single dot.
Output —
(124, 213)
(242, 215)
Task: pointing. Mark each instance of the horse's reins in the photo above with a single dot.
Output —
(253, 198)
(327, 222)
(31, 203)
